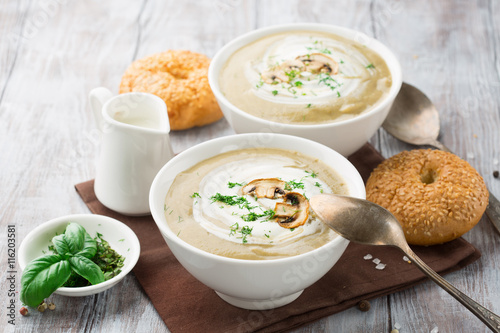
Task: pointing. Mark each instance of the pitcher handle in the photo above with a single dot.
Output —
(97, 98)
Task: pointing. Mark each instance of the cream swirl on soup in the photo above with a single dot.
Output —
(208, 207)
(281, 78)
(224, 211)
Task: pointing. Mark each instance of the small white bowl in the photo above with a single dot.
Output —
(253, 284)
(119, 236)
(345, 136)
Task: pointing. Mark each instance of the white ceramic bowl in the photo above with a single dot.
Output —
(119, 236)
(344, 136)
(253, 284)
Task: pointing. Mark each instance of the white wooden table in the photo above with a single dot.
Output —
(53, 52)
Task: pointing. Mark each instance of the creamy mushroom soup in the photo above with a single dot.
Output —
(305, 78)
(252, 203)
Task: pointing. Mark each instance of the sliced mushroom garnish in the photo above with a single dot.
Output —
(274, 76)
(293, 211)
(317, 63)
(284, 72)
(265, 188)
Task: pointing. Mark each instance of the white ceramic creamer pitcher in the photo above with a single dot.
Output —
(135, 145)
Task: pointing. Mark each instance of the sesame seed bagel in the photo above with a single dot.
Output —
(435, 195)
(179, 78)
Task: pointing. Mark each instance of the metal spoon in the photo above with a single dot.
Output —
(414, 119)
(364, 222)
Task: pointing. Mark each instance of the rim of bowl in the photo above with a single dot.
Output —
(357, 185)
(237, 43)
(134, 255)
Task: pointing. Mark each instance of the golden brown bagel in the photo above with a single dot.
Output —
(180, 79)
(435, 195)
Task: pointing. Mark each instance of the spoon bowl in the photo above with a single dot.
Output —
(413, 118)
(364, 222)
(352, 219)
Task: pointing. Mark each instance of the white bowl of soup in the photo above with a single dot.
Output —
(234, 211)
(322, 82)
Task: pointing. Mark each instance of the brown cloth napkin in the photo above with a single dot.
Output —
(186, 305)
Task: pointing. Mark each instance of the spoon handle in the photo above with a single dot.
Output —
(486, 316)
(440, 146)
(493, 211)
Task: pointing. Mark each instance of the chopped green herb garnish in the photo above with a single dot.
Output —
(292, 184)
(231, 184)
(311, 173)
(318, 47)
(292, 74)
(275, 92)
(233, 229)
(370, 66)
(252, 216)
(245, 231)
(329, 81)
(107, 259)
(231, 200)
(195, 195)
(269, 213)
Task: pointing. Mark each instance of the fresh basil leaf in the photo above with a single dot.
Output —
(61, 245)
(86, 268)
(89, 247)
(42, 277)
(75, 237)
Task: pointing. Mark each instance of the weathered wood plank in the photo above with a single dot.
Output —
(49, 145)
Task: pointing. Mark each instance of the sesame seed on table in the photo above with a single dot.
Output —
(54, 52)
